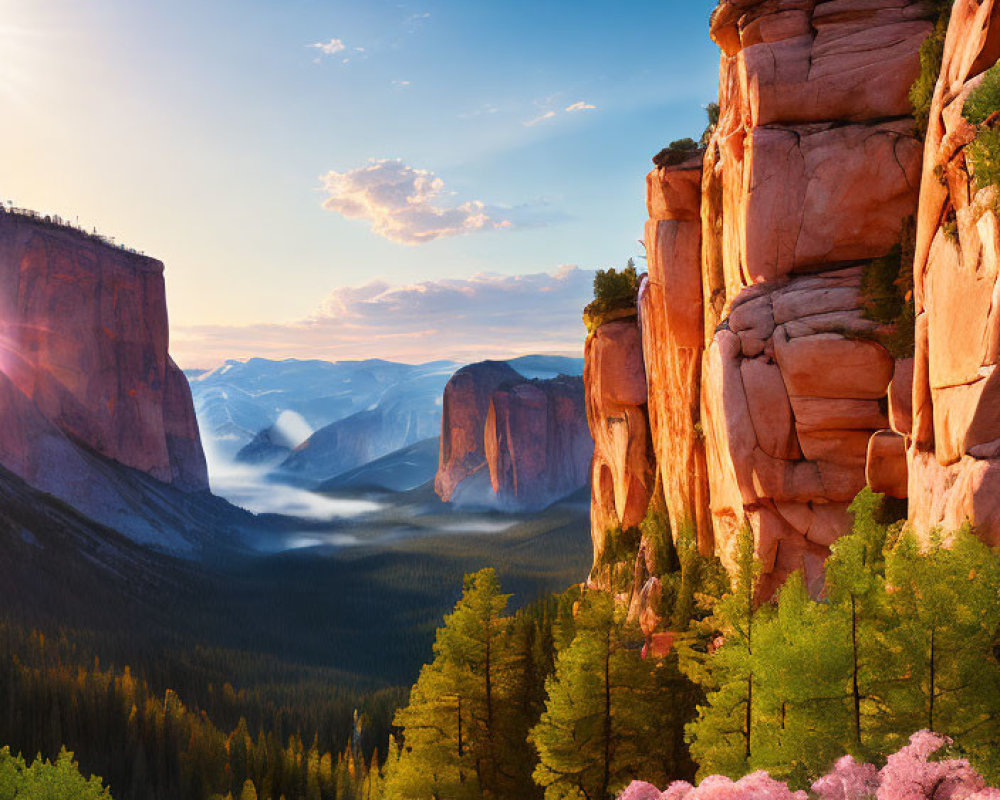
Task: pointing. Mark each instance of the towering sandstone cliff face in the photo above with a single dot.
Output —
(623, 470)
(954, 450)
(771, 399)
(811, 173)
(84, 367)
(510, 442)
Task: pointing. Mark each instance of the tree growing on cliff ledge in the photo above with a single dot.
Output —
(614, 290)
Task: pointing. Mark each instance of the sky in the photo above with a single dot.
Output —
(404, 180)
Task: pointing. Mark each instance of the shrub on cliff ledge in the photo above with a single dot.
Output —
(613, 291)
(931, 55)
(712, 111)
(981, 108)
(887, 296)
(984, 100)
(677, 152)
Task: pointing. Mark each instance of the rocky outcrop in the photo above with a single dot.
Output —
(510, 442)
(83, 355)
(537, 443)
(811, 173)
(671, 321)
(771, 398)
(463, 422)
(623, 468)
(954, 451)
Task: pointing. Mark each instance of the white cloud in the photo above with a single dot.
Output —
(550, 113)
(401, 83)
(329, 48)
(404, 204)
(467, 319)
(547, 115)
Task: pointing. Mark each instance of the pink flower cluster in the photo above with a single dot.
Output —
(907, 775)
(756, 786)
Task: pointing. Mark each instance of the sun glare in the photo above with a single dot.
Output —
(24, 54)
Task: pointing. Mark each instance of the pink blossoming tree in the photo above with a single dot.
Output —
(909, 774)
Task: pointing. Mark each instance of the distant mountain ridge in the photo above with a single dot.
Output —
(348, 414)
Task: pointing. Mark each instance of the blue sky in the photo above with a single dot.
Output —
(277, 180)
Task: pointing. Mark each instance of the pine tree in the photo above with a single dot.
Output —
(801, 662)
(944, 597)
(575, 737)
(822, 667)
(855, 586)
(454, 727)
(721, 738)
(609, 713)
(249, 791)
(473, 657)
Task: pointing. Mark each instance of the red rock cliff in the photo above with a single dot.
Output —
(83, 354)
(769, 392)
(954, 445)
(538, 445)
(511, 442)
(623, 470)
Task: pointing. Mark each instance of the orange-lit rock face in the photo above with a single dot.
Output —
(791, 396)
(537, 443)
(84, 338)
(811, 172)
(954, 473)
(622, 476)
(671, 321)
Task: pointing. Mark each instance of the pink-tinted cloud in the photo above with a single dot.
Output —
(404, 204)
(466, 319)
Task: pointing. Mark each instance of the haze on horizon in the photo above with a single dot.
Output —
(404, 180)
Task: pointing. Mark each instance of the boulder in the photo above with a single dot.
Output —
(886, 468)
(803, 62)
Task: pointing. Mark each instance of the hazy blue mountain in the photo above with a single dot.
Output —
(311, 423)
(239, 399)
(545, 367)
(400, 471)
